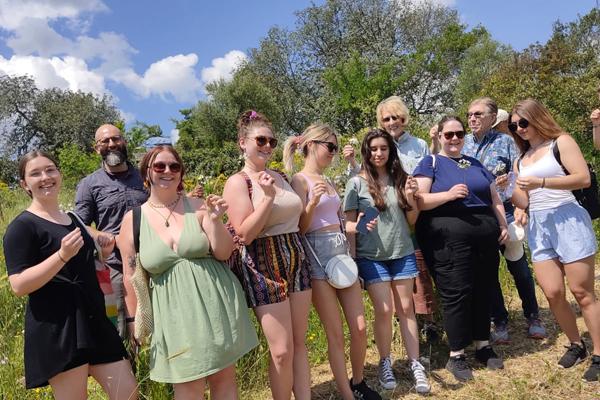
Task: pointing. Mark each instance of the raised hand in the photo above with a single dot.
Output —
(267, 183)
(502, 181)
(411, 187)
(105, 240)
(348, 153)
(595, 117)
(458, 191)
(216, 206)
(528, 183)
(71, 244)
(317, 191)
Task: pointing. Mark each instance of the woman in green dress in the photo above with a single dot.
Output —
(201, 322)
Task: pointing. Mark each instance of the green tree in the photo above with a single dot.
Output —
(50, 118)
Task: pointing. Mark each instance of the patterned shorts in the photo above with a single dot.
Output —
(271, 267)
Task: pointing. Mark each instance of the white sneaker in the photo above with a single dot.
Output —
(421, 383)
(386, 374)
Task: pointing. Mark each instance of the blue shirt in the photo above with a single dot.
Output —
(447, 172)
(104, 198)
(410, 149)
(497, 152)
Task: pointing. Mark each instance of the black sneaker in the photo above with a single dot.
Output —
(460, 368)
(593, 372)
(487, 356)
(363, 392)
(574, 355)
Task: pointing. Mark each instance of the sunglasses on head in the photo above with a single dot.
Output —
(263, 140)
(393, 118)
(523, 124)
(331, 147)
(450, 135)
(160, 167)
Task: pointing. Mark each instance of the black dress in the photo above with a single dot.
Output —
(65, 321)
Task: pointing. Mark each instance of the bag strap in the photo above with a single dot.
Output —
(79, 221)
(248, 183)
(556, 152)
(137, 220)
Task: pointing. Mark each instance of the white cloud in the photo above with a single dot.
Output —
(447, 3)
(13, 13)
(174, 136)
(127, 116)
(170, 77)
(223, 67)
(64, 73)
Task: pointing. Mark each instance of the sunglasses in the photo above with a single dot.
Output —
(116, 139)
(263, 140)
(393, 118)
(159, 167)
(450, 135)
(331, 147)
(477, 114)
(523, 124)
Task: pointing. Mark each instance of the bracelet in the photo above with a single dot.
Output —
(543, 183)
(129, 319)
(61, 259)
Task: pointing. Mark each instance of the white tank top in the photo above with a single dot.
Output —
(546, 167)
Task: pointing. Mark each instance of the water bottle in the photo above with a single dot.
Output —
(510, 186)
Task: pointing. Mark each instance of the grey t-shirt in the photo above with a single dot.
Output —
(391, 237)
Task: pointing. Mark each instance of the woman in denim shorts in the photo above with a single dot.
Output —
(385, 255)
(320, 221)
(560, 233)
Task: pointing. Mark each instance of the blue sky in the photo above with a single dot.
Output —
(155, 57)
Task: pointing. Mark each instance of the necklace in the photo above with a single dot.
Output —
(171, 207)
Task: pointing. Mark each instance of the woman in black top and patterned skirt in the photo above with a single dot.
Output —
(50, 258)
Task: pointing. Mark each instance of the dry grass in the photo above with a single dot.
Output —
(531, 371)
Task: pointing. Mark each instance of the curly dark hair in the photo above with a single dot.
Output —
(393, 167)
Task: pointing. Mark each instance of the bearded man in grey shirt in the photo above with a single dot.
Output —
(104, 196)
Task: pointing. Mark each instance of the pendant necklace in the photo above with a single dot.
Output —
(171, 207)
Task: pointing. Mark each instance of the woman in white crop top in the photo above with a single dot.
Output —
(560, 233)
(264, 211)
(320, 221)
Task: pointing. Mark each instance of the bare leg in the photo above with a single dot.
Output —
(300, 303)
(222, 384)
(403, 299)
(381, 297)
(325, 301)
(117, 379)
(354, 310)
(580, 277)
(276, 322)
(190, 390)
(550, 277)
(71, 384)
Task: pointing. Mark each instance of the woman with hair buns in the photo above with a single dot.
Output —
(265, 211)
(321, 223)
(560, 233)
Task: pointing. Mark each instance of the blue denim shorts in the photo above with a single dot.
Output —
(373, 271)
(325, 245)
(564, 232)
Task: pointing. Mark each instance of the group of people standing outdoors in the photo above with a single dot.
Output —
(411, 214)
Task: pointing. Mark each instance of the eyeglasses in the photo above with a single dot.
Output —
(331, 147)
(477, 114)
(450, 135)
(159, 167)
(263, 140)
(523, 124)
(393, 118)
(116, 139)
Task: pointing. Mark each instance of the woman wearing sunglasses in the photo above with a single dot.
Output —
(459, 229)
(201, 327)
(274, 270)
(321, 222)
(385, 256)
(50, 258)
(560, 233)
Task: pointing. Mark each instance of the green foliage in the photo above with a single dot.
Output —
(138, 134)
(8, 171)
(75, 164)
(48, 119)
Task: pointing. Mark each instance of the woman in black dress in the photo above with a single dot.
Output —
(50, 258)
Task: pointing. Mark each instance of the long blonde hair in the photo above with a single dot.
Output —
(316, 131)
(539, 118)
